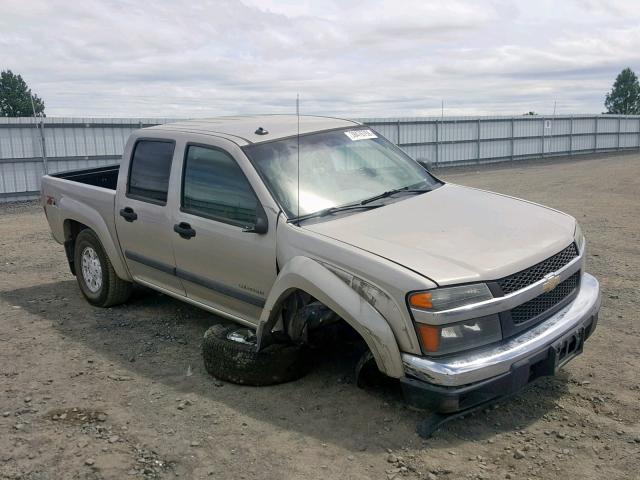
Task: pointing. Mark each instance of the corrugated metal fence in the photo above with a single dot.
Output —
(68, 144)
(449, 141)
(72, 143)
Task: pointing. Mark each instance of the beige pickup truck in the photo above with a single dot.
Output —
(285, 225)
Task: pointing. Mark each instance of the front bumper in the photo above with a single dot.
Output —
(457, 382)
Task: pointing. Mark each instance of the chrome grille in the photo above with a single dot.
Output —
(533, 274)
(542, 303)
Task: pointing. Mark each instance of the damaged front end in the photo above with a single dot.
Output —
(309, 295)
(298, 314)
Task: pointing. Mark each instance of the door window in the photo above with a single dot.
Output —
(149, 171)
(215, 187)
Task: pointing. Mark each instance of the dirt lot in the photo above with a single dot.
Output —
(87, 393)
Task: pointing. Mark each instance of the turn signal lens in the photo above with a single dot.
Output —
(430, 336)
(421, 300)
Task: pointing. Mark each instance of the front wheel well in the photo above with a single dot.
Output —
(72, 229)
(304, 320)
(296, 315)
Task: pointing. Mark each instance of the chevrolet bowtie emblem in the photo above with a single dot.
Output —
(551, 281)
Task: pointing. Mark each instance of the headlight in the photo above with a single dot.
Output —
(454, 337)
(578, 237)
(447, 298)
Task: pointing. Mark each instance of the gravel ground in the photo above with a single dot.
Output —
(87, 393)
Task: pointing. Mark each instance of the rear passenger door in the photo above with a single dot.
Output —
(144, 214)
(220, 261)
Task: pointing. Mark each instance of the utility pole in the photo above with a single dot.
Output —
(43, 145)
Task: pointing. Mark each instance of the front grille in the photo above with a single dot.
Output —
(533, 274)
(542, 303)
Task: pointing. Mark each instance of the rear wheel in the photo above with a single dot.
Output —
(96, 277)
(230, 353)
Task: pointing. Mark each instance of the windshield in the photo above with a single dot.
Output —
(337, 168)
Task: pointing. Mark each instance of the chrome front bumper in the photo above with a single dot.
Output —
(489, 362)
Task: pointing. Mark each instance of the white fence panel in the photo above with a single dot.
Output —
(74, 143)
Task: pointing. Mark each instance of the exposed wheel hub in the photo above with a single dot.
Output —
(91, 269)
(243, 335)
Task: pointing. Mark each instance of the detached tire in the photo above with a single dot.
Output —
(96, 277)
(239, 362)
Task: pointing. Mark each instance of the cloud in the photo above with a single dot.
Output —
(379, 58)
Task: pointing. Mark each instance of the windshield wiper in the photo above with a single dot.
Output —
(364, 204)
(332, 210)
(393, 192)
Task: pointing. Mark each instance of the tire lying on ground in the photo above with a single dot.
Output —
(230, 354)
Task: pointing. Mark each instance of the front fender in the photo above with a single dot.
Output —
(302, 273)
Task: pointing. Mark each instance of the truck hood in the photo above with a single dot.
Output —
(456, 234)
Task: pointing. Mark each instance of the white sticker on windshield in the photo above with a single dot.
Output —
(360, 134)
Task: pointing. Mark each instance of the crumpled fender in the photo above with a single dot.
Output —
(80, 212)
(310, 276)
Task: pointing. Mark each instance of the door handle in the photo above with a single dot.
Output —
(184, 230)
(128, 214)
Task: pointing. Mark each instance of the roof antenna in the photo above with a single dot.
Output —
(298, 149)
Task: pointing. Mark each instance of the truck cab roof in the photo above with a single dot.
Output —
(249, 129)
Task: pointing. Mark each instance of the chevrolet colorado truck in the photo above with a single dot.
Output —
(286, 224)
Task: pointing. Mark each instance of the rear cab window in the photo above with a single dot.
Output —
(149, 170)
(215, 187)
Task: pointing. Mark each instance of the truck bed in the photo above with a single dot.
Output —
(105, 177)
(86, 196)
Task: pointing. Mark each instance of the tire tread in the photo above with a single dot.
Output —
(242, 364)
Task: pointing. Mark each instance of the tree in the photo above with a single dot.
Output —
(624, 97)
(16, 97)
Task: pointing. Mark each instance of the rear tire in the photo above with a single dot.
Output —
(96, 277)
(240, 362)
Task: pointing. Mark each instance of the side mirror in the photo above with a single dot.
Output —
(425, 164)
(261, 226)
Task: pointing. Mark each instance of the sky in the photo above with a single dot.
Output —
(380, 58)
